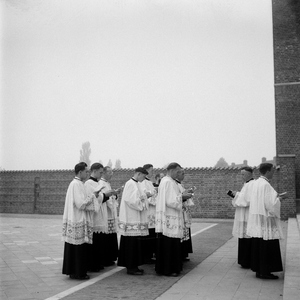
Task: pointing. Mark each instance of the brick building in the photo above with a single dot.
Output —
(286, 35)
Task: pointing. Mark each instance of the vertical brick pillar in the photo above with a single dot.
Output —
(286, 36)
(286, 182)
(36, 193)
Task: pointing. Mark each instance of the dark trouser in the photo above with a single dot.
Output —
(96, 252)
(75, 259)
(168, 255)
(244, 252)
(265, 256)
(110, 248)
(130, 252)
(149, 245)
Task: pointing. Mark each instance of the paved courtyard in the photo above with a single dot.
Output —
(31, 261)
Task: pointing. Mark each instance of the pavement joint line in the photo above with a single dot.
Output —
(30, 261)
(49, 262)
(85, 284)
(102, 276)
(197, 232)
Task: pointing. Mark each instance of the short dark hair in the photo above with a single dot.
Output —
(265, 167)
(147, 166)
(96, 166)
(173, 165)
(141, 170)
(80, 167)
(248, 169)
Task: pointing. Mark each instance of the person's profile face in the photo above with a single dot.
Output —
(246, 175)
(180, 175)
(141, 177)
(100, 173)
(174, 173)
(83, 174)
(150, 172)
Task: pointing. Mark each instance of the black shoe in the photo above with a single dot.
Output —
(108, 264)
(245, 267)
(97, 270)
(150, 261)
(135, 272)
(83, 277)
(173, 274)
(266, 276)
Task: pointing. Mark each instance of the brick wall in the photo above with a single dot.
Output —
(19, 194)
(286, 34)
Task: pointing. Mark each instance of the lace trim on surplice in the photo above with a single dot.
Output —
(170, 226)
(77, 233)
(133, 229)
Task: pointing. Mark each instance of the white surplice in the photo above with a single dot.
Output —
(100, 215)
(264, 211)
(133, 210)
(77, 220)
(112, 205)
(241, 203)
(169, 218)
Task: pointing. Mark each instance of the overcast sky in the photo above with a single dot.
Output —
(144, 81)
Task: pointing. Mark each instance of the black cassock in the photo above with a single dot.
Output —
(75, 259)
(168, 255)
(110, 248)
(244, 252)
(131, 252)
(265, 256)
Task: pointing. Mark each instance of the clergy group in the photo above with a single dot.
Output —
(257, 223)
(153, 220)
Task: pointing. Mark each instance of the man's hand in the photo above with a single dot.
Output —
(186, 196)
(110, 193)
(96, 194)
(119, 190)
(282, 196)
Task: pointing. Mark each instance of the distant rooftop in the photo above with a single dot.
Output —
(263, 160)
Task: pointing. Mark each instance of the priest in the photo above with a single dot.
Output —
(77, 232)
(100, 224)
(169, 223)
(241, 203)
(133, 223)
(264, 225)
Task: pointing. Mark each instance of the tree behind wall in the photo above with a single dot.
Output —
(85, 153)
(109, 163)
(118, 164)
(221, 163)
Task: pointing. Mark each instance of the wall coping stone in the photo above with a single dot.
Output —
(127, 169)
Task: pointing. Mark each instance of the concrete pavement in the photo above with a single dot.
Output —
(31, 260)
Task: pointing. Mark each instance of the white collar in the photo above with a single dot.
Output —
(265, 178)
